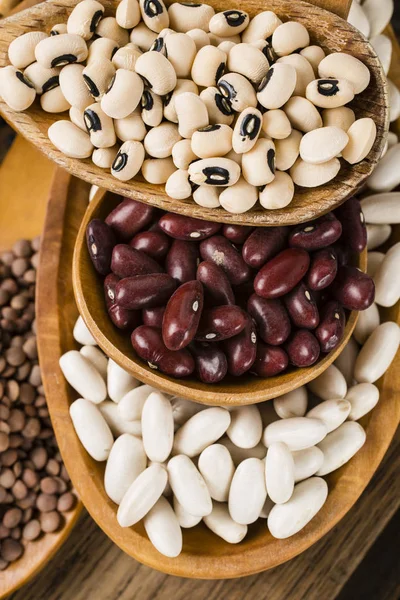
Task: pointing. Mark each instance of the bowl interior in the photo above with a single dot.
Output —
(248, 389)
(326, 29)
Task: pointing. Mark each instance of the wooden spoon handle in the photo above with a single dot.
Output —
(339, 7)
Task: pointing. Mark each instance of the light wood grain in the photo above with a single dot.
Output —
(330, 31)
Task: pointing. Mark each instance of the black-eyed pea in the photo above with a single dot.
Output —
(152, 108)
(182, 154)
(73, 86)
(261, 27)
(158, 170)
(184, 17)
(239, 198)
(98, 75)
(191, 112)
(289, 37)
(21, 51)
(247, 129)
(302, 114)
(104, 157)
(41, 78)
(77, 117)
(323, 144)
(159, 46)
(100, 127)
(226, 46)
(229, 22)
(238, 91)
(131, 128)
(84, 18)
(158, 73)
(160, 140)
(342, 117)
(58, 29)
(248, 61)
(362, 135)
(237, 158)
(109, 28)
(287, 150)
(212, 141)
(123, 95)
(314, 55)
(309, 176)
(277, 86)
(276, 124)
(70, 140)
(178, 186)
(200, 37)
(101, 48)
(54, 101)
(142, 36)
(181, 52)
(279, 193)
(154, 14)
(214, 171)
(182, 86)
(340, 65)
(218, 107)
(128, 14)
(208, 66)
(126, 57)
(330, 93)
(128, 161)
(258, 165)
(216, 40)
(207, 196)
(304, 72)
(15, 89)
(61, 50)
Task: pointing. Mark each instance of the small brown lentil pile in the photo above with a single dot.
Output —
(35, 488)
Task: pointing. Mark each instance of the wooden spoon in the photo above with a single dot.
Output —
(248, 389)
(327, 29)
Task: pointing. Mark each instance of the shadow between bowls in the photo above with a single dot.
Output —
(247, 389)
(327, 29)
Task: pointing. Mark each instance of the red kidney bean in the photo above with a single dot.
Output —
(342, 254)
(100, 241)
(330, 331)
(351, 216)
(153, 243)
(128, 262)
(187, 228)
(224, 254)
(211, 363)
(236, 233)
(303, 348)
(182, 315)
(263, 244)
(282, 273)
(121, 317)
(109, 288)
(302, 307)
(241, 350)
(149, 346)
(216, 283)
(153, 316)
(221, 323)
(316, 234)
(129, 217)
(272, 320)
(270, 360)
(354, 289)
(182, 260)
(323, 269)
(144, 291)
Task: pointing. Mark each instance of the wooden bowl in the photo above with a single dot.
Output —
(326, 29)
(248, 389)
(204, 555)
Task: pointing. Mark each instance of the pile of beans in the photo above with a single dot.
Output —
(174, 463)
(218, 106)
(211, 299)
(35, 489)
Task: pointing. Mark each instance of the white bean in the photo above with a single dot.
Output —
(131, 404)
(386, 176)
(82, 334)
(358, 19)
(292, 404)
(240, 454)
(157, 427)
(247, 493)
(126, 461)
(387, 282)
(363, 397)
(142, 495)
(119, 381)
(221, 523)
(378, 352)
(217, 468)
(91, 429)
(245, 429)
(201, 430)
(163, 529)
(189, 486)
(307, 462)
(346, 361)
(331, 412)
(116, 422)
(297, 433)
(83, 377)
(368, 320)
(279, 473)
(381, 209)
(183, 410)
(377, 235)
(383, 46)
(378, 14)
(340, 446)
(185, 520)
(330, 384)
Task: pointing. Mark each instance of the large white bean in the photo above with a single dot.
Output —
(221, 523)
(330, 384)
(185, 519)
(83, 377)
(279, 473)
(183, 410)
(308, 498)
(331, 412)
(189, 486)
(378, 14)
(126, 461)
(157, 427)
(240, 454)
(377, 235)
(201, 430)
(118, 425)
(163, 529)
(217, 467)
(363, 397)
(82, 334)
(91, 429)
(381, 209)
(368, 321)
(307, 462)
(386, 176)
(130, 406)
(98, 359)
(377, 353)
(346, 361)
(387, 281)
(142, 495)
(374, 261)
(246, 427)
(297, 433)
(292, 404)
(340, 446)
(119, 381)
(248, 492)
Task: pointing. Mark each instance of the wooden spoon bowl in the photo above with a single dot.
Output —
(248, 389)
(326, 29)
